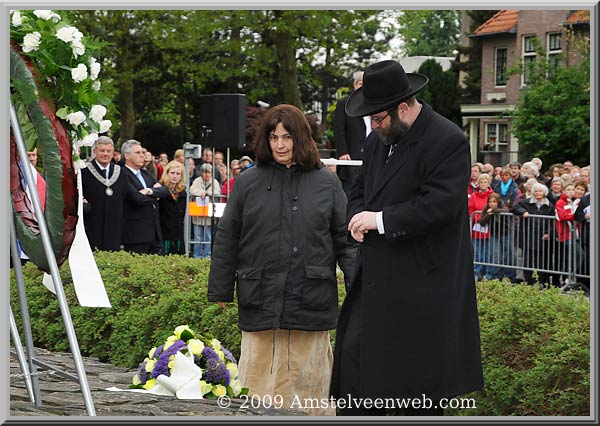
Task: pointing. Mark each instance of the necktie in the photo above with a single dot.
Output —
(141, 178)
(105, 173)
(392, 148)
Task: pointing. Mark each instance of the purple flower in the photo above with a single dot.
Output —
(162, 364)
(209, 353)
(158, 351)
(228, 355)
(142, 373)
(161, 367)
(216, 372)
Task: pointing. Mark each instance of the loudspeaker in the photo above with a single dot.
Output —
(222, 120)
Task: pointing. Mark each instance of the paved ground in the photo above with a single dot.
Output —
(61, 397)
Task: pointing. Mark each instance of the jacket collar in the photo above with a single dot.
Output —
(545, 201)
(397, 160)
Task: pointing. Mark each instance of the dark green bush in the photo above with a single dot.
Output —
(535, 344)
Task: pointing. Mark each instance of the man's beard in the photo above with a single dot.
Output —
(397, 130)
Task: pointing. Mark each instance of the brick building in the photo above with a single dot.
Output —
(508, 39)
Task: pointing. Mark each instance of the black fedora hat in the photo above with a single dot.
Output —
(385, 84)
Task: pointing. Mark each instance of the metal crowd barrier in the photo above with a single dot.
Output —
(506, 245)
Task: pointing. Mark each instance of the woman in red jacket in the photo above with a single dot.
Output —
(480, 234)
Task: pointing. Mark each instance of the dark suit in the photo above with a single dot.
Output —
(103, 214)
(141, 228)
(349, 136)
(409, 323)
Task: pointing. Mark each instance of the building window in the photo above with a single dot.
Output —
(501, 57)
(554, 52)
(529, 54)
(496, 136)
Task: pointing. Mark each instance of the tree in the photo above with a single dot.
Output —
(430, 32)
(442, 90)
(471, 92)
(552, 117)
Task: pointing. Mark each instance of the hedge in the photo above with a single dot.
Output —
(535, 344)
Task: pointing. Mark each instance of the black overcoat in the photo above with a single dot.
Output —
(420, 329)
(349, 137)
(142, 222)
(103, 214)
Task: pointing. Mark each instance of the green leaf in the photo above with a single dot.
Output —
(62, 113)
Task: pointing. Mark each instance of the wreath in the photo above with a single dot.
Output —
(49, 62)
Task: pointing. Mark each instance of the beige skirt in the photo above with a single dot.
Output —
(290, 366)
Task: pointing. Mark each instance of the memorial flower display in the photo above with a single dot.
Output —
(190, 366)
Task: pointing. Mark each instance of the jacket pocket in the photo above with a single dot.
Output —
(320, 288)
(249, 287)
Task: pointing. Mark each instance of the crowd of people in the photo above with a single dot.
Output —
(137, 202)
(550, 210)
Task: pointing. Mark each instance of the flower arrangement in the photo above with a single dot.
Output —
(218, 371)
(66, 70)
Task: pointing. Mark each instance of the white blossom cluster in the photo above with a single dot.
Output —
(85, 125)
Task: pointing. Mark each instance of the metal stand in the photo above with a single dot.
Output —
(58, 286)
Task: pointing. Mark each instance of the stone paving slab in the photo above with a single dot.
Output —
(61, 397)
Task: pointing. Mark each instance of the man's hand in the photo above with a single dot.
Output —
(156, 185)
(345, 157)
(361, 223)
(145, 191)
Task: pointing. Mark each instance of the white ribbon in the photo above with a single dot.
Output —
(184, 382)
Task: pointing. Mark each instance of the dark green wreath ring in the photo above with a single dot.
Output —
(56, 155)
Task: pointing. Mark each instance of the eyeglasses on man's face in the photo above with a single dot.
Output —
(380, 119)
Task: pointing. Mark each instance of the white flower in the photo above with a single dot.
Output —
(215, 344)
(66, 33)
(46, 15)
(105, 125)
(78, 48)
(236, 387)
(76, 118)
(79, 74)
(80, 164)
(31, 41)
(96, 85)
(16, 19)
(89, 139)
(94, 68)
(97, 113)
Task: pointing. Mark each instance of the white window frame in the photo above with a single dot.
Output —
(497, 144)
(553, 52)
(496, 66)
(527, 54)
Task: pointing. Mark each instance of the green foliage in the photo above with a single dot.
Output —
(535, 344)
(536, 352)
(442, 91)
(471, 66)
(430, 32)
(552, 117)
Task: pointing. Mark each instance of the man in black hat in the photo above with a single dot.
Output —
(408, 326)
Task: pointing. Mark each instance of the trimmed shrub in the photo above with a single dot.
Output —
(535, 344)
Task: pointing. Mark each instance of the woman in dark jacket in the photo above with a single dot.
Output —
(278, 242)
(172, 208)
(537, 232)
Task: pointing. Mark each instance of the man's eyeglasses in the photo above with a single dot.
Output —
(379, 120)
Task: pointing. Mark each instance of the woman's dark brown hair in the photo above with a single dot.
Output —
(305, 152)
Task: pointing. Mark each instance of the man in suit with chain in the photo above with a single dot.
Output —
(349, 134)
(141, 232)
(103, 185)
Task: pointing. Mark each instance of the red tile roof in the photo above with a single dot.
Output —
(578, 17)
(501, 22)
